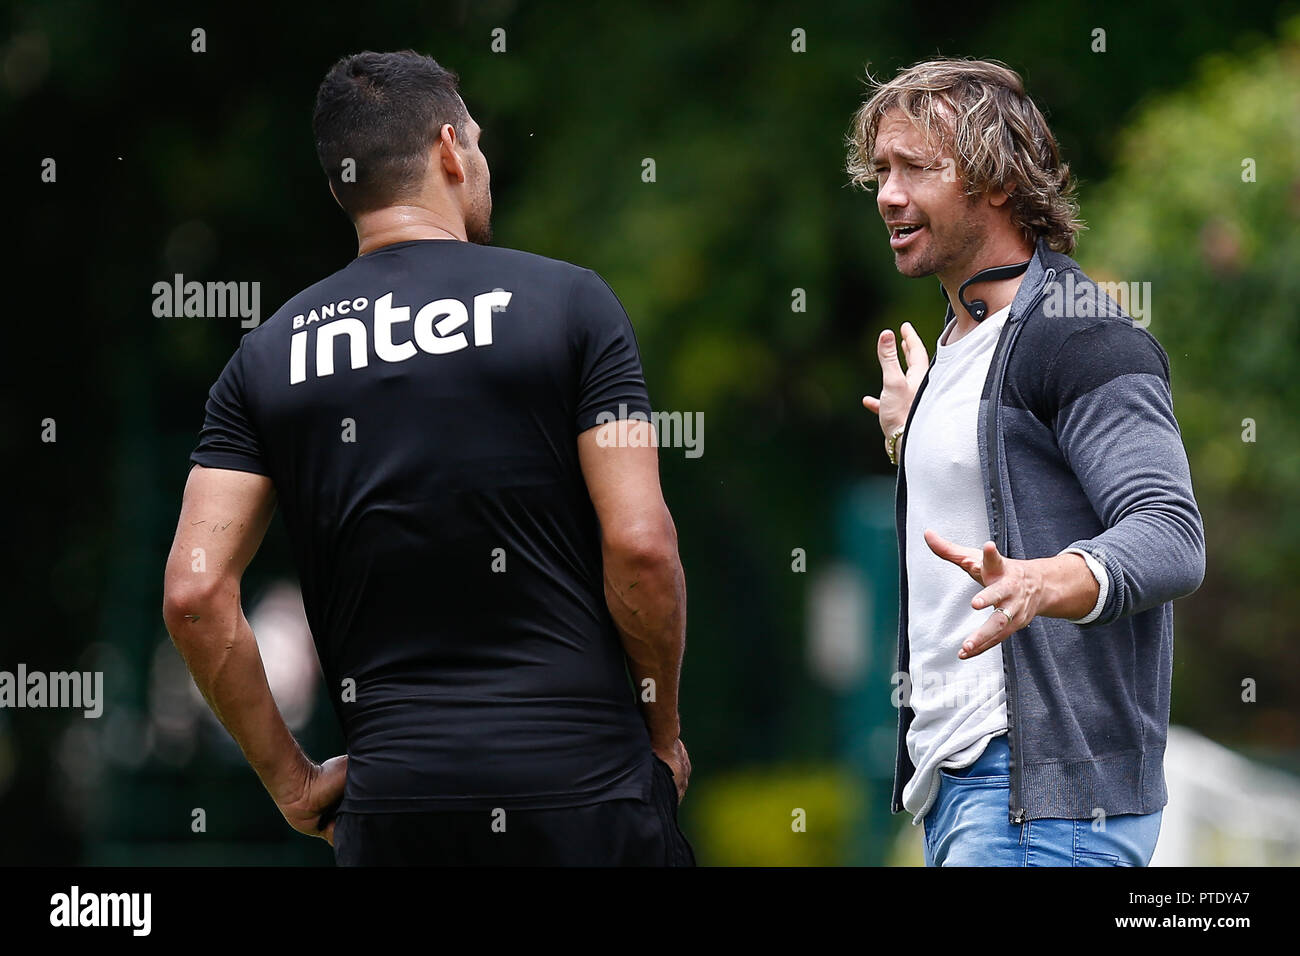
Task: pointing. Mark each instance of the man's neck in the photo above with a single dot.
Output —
(393, 224)
(997, 295)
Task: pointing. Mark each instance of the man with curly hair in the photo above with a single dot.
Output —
(1045, 512)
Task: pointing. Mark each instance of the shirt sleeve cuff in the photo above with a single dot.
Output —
(1103, 584)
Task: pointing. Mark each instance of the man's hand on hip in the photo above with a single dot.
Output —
(679, 762)
(1017, 590)
(318, 795)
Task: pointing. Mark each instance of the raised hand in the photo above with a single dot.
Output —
(898, 387)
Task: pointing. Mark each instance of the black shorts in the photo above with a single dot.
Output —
(624, 832)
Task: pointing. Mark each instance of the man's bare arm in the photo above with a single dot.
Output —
(644, 584)
(223, 519)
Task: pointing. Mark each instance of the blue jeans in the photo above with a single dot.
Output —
(968, 825)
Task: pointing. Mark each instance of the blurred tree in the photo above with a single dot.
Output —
(171, 160)
(1205, 205)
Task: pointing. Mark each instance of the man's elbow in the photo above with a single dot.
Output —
(1180, 574)
(1191, 568)
(1194, 572)
(191, 596)
(647, 547)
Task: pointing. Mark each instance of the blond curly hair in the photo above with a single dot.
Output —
(998, 138)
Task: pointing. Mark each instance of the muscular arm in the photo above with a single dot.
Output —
(223, 519)
(644, 584)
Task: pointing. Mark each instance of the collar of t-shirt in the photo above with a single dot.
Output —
(990, 326)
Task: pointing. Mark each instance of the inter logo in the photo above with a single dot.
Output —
(436, 330)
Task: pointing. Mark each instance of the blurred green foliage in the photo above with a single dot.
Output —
(784, 815)
(1204, 204)
(203, 163)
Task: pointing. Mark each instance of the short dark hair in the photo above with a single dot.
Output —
(385, 112)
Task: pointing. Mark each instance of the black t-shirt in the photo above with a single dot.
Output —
(418, 412)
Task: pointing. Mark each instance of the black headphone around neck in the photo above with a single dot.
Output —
(978, 309)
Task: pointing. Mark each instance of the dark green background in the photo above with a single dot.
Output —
(750, 202)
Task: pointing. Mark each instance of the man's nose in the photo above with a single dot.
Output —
(890, 195)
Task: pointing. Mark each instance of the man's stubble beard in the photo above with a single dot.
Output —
(966, 238)
(478, 225)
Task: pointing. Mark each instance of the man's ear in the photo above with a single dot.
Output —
(333, 193)
(998, 197)
(447, 155)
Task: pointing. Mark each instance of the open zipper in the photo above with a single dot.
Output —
(998, 530)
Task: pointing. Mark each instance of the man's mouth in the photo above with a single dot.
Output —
(902, 235)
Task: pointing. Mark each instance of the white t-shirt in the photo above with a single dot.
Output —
(960, 705)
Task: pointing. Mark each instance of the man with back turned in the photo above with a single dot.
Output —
(483, 565)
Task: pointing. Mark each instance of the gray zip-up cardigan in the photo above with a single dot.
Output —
(1079, 448)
